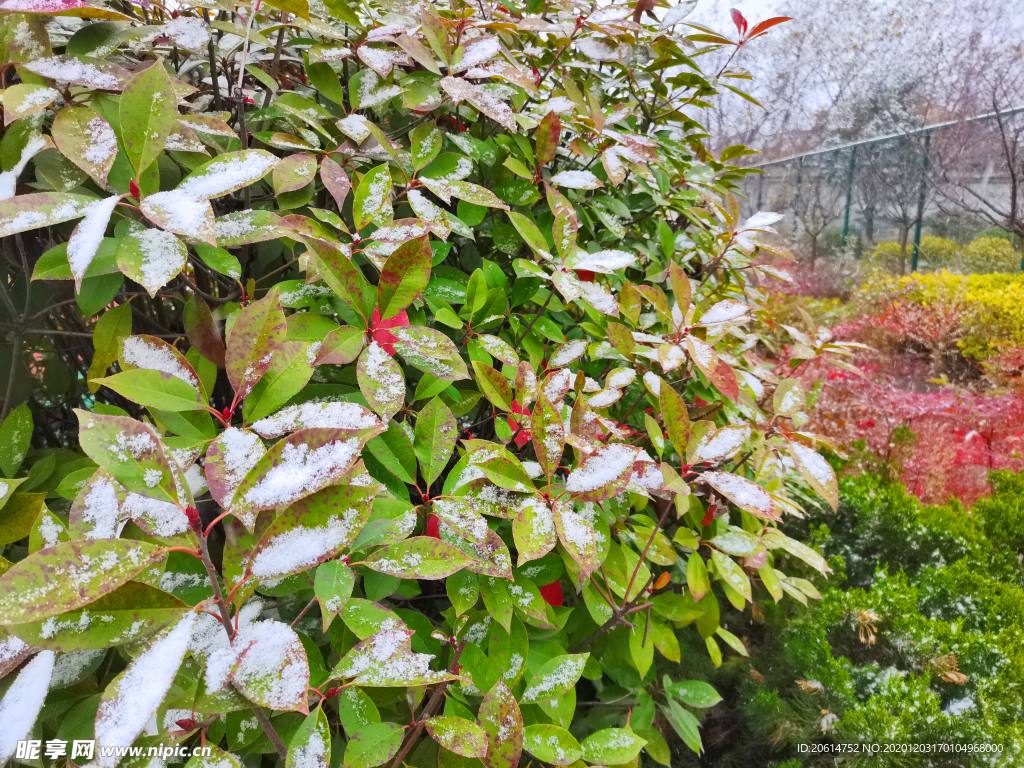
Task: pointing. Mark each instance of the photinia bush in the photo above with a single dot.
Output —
(423, 393)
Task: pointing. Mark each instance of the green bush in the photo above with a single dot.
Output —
(919, 637)
(939, 253)
(990, 254)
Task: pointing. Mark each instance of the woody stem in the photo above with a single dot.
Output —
(225, 618)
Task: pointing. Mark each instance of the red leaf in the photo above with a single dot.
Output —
(378, 329)
(549, 133)
(552, 593)
(763, 26)
(585, 275)
(433, 527)
(739, 21)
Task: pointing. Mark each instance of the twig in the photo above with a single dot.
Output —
(533, 322)
(213, 65)
(435, 701)
(225, 619)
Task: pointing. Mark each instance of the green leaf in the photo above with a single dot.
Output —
(406, 273)
(530, 234)
(555, 677)
(289, 372)
(676, 418)
(612, 746)
(18, 511)
(343, 277)
(497, 600)
(426, 143)
(394, 450)
(341, 346)
(69, 576)
(697, 576)
(436, 433)
(332, 587)
(130, 450)
(311, 531)
(458, 735)
(373, 191)
(310, 747)
(364, 617)
(641, 644)
(112, 326)
(149, 106)
(87, 140)
(533, 530)
(253, 341)
(372, 745)
(130, 613)
(684, 723)
(552, 744)
(15, 438)
(463, 588)
(430, 351)
(219, 260)
(696, 693)
(420, 557)
(494, 386)
(155, 389)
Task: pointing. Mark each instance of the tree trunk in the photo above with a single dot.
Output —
(869, 224)
(904, 231)
(814, 250)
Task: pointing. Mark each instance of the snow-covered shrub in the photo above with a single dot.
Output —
(421, 392)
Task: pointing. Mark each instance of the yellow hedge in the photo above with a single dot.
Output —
(991, 305)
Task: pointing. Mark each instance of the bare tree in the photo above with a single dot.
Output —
(816, 203)
(979, 152)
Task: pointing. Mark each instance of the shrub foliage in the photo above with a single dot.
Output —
(421, 370)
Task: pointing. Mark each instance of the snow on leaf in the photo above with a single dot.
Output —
(229, 459)
(533, 530)
(85, 240)
(9, 178)
(605, 262)
(151, 257)
(40, 209)
(380, 380)
(555, 677)
(601, 473)
(297, 466)
(311, 531)
(721, 444)
(325, 414)
(134, 696)
(21, 703)
(576, 180)
(567, 353)
(743, 493)
(500, 717)
(272, 668)
(484, 101)
(816, 471)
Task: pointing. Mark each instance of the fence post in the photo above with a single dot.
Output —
(849, 195)
(920, 204)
